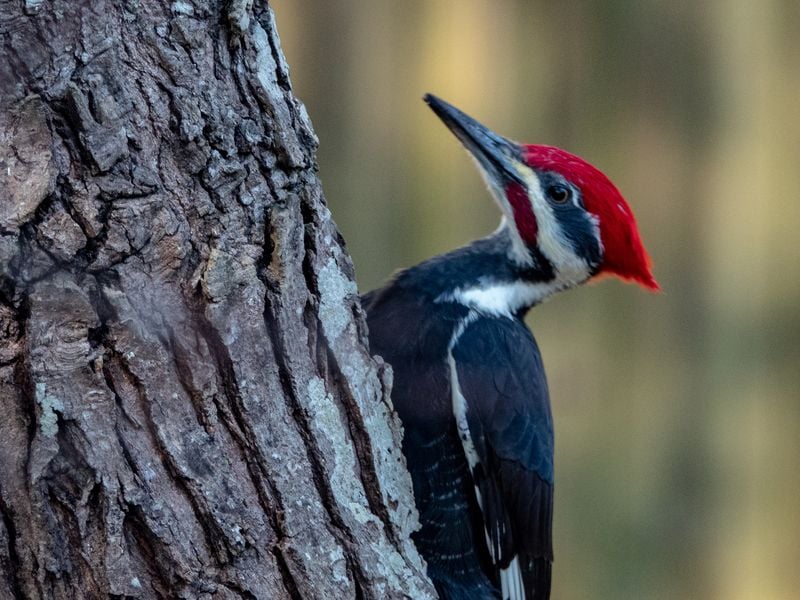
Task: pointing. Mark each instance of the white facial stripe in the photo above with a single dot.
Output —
(570, 268)
(556, 247)
(519, 251)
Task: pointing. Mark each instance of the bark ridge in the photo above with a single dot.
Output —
(187, 405)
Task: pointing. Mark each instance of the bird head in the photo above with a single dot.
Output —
(558, 206)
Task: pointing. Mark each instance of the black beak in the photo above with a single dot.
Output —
(499, 156)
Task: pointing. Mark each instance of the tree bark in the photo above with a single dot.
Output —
(187, 405)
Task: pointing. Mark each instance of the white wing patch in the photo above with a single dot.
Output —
(511, 584)
(508, 574)
(460, 414)
(460, 403)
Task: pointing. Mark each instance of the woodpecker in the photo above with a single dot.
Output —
(469, 384)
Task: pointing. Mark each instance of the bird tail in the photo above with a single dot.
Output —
(537, 576)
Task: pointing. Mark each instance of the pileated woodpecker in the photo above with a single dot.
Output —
(469, 385)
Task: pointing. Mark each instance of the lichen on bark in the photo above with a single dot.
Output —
(187, 405)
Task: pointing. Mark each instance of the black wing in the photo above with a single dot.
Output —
(502, 380)
(413, 336)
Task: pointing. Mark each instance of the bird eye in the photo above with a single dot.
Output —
(559, 193)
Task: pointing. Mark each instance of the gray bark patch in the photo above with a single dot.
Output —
(334, 290)
(188, 407)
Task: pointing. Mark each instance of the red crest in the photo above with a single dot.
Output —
(624, 254)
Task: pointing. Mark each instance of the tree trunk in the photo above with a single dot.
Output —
(187, 405)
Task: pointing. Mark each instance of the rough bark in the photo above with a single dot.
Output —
(187, 405)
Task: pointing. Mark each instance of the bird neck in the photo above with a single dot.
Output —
(486, 276)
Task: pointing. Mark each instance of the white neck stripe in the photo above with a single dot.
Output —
(502, 299)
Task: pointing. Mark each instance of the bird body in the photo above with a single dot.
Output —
(469, 384)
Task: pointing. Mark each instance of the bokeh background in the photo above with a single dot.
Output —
(678, 415)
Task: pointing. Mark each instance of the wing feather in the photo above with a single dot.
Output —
(501, 377)
(450, 537)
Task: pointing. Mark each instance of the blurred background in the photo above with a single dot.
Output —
(677, 415)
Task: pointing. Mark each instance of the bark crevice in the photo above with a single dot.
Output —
(313, 453)
(9, 560)
(187, 402)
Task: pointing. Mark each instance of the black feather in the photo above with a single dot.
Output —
(411, 325)
(502, 379)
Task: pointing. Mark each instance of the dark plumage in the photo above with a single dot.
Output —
(503, 381)
(469, 384)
